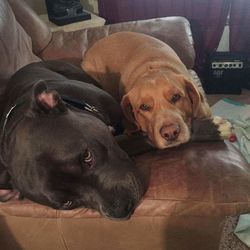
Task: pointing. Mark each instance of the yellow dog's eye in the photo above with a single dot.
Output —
(175, 98)
(145, 107)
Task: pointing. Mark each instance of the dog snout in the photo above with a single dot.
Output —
(120, 209)
(170, 132)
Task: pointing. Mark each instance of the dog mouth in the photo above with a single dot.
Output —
(173, 144)
(67, 205)
(8, 194)
(163, 144)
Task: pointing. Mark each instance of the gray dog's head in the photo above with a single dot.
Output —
(65, 159)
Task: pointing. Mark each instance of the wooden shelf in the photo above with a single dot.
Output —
(95, 21)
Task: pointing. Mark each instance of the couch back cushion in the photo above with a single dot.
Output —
(15, 47)
(175, 31)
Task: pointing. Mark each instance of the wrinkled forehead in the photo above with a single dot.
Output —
(65, 130)
(159, 85)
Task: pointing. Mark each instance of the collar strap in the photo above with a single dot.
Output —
(80, 105)
(6, 117)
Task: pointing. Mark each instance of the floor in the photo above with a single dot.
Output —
(244, 97)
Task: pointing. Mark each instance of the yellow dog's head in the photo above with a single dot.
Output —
(162, 105)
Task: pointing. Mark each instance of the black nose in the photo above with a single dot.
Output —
(170, 132)
(120, 209)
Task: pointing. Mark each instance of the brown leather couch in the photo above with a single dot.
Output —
(192, 187)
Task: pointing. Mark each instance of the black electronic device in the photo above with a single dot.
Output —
(225, 73)
(63, 12)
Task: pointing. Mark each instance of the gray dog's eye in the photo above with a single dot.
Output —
(87, 156)
(145, 107)
(175, 98)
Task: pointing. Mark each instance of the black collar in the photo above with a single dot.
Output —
(7, 115)
(84, 106)
(80, 105)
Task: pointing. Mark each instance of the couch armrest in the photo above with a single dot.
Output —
(175, 31)
(32, 24)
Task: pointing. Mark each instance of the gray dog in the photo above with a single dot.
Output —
(56, 145)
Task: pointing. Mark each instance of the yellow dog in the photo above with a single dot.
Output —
(157, 94)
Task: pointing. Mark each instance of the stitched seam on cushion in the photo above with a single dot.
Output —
(59, 226)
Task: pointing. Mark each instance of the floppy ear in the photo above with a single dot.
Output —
(200, 106)
(130, 124)
(45, 100)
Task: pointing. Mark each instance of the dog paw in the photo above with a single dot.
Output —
(8, 194)
(224, 127)
(211, 129)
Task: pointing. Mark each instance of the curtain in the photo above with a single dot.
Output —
(207, 18)
(239, 26)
